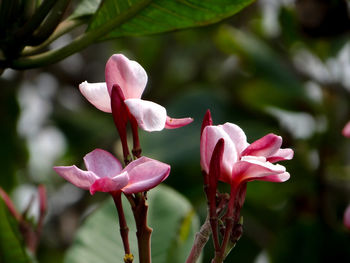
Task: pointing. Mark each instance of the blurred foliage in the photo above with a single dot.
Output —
(277, 66)
(171, 216)
(11, 245)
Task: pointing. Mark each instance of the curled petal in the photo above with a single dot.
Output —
(128, 74)
(346, 130)
(149, 115)
(256, 168)
(265, 146)
(215, 172)
(207, 121)
(107, 184)
(76, 176)
(102, 163)
(97, 95)
(120, 117)
(210, 137)
(144, 174)
(281, 155)
(237, 135)
(346, 218)
(172, 123)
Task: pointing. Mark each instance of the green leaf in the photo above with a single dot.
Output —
(85, 8)
(144, 17)
(11, 249)
(171, 216)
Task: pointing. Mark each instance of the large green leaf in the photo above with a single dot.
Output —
(11, 249)
(143, 17)
(171, 216)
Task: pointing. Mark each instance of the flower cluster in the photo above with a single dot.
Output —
(227, 156)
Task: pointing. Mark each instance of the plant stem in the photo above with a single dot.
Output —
(143, 232)
(124, 230)
(136, 150)
(62, 28)
(49, 24)
(200, 240)
(79, 43)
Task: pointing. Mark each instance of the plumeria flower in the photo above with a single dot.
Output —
(346, 130)
(105, 174)
(346, 219)
(241, 161)
(126, 81)
(227, 156)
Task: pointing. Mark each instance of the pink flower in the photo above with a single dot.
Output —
(241, 161)
(346, 130)
(105, 174)
(125, 83)
(346, 218)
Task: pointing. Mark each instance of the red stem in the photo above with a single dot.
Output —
(124, 230)
(136, 150)
(10, 205)
(143, 232)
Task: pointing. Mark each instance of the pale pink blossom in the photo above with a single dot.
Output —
(241, 161)
(346, 130)
(346, 219)
(105, 173)
(130, 78)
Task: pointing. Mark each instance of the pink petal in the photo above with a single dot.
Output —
(237, 136)
(256, 168)
(281, 155)
(120, 116)
(172, 123)
(207, 121)
(97, 95)
(80, 178)
(346, 218)
(210, 137)
(102, 163)
(265, 146)
(144, 174)
(346, 130)
(107, 184)
(149, 115)
(128, 74)
(215, 170)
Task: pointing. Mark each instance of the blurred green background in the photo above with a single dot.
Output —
(277, 66)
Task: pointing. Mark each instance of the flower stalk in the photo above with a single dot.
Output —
(143, 231)
(123, 227)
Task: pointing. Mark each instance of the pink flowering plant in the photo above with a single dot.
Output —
(226, 156)
(121, 96)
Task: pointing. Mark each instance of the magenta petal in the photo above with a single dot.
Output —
(172, 123)
(346, 130)
(207, 121)
(346, 218)
(144, 174)
(107, 184)
(102, 163)
(76, 176)
(252, 169)
(210, 137)
(281, 155)
(128, 74)
(265, 146)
